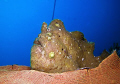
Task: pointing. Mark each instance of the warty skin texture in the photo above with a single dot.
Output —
(57, 50)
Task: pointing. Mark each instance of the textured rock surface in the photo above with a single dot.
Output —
(57, 50)
(14, 68)
(108, 72)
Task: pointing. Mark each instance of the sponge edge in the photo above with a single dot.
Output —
(108, 72)
(57, 50)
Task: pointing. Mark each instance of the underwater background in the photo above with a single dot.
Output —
(21, 21)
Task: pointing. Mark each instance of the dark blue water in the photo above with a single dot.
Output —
(21, 20)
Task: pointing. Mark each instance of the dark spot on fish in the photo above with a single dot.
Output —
(37, 42)
(65, 51)
(85, 68)
(50, 75)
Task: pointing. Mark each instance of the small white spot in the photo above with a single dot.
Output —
(91, 63)
(98, 58)
(43, 52)
(56, 43)
(49, 38)
(39, 35)
(71, 44)
(68, 57)
(45, 25)
(73, 65)
(45, 45)
(53, 41)
(84, 46)
(88, 52)
(39, 49)
(59, 52)
(59, 29)
(48, 29)
(82, 59)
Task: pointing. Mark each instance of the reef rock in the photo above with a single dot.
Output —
(57, 50)
(108, 72)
